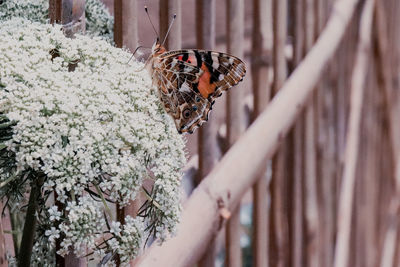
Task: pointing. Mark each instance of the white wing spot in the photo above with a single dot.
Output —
(187, 69)
(215, 65)
(184, 88)
(173, 63)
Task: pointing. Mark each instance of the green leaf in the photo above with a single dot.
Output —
(65, 140)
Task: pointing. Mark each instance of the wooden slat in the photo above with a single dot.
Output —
(118, 27)
(55, 11)
(278, 250)
(167, 10)
(73, 17)
(384, 73)
(296, 223)
(310, 174)
(261, 49)
(352, 141)
(235, 122)
(325, 151)
(126, 24)
(164, 19)
(207, 139)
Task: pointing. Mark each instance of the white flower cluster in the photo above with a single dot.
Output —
(35, 10)
(127, 238)
(88, 121)
(82, 228)
(99, 22)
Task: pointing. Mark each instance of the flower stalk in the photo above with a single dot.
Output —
(24, 257)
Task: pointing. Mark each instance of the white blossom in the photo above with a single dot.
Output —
(54, 214)
(52, 234)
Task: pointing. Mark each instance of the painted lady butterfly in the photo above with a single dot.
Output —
(190, 80)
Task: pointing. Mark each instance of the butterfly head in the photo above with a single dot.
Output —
(158, 48)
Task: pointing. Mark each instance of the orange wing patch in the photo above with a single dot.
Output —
(205, 86)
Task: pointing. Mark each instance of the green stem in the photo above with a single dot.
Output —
(7, 124)
(24, 257)
(16, 230)
(151, 199)
(73, 196)
(11, 178)
(108, 210)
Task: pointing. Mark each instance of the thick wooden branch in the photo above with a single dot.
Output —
(203, 216)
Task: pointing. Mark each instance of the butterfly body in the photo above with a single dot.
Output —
(189, 81)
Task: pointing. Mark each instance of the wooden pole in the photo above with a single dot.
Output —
(169, 8)
(207, 139)
(348, 180)
(279, 223)
(310, 176)
(238, 169)
(125, 24)
(370, 174)
(55, 7)
(297, 241)
(261, 49)
(235, 122)
(384, 72)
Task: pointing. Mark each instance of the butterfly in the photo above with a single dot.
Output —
(190, 80)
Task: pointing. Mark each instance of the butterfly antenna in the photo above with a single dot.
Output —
(133, 54)
(169, 29)
(148, 16)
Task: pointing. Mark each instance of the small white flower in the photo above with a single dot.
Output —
(52, 234)
(115, 228)
(54, 213)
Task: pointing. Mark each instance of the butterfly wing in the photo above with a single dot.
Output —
(190, 80)
(176, 80)
(220, 71)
